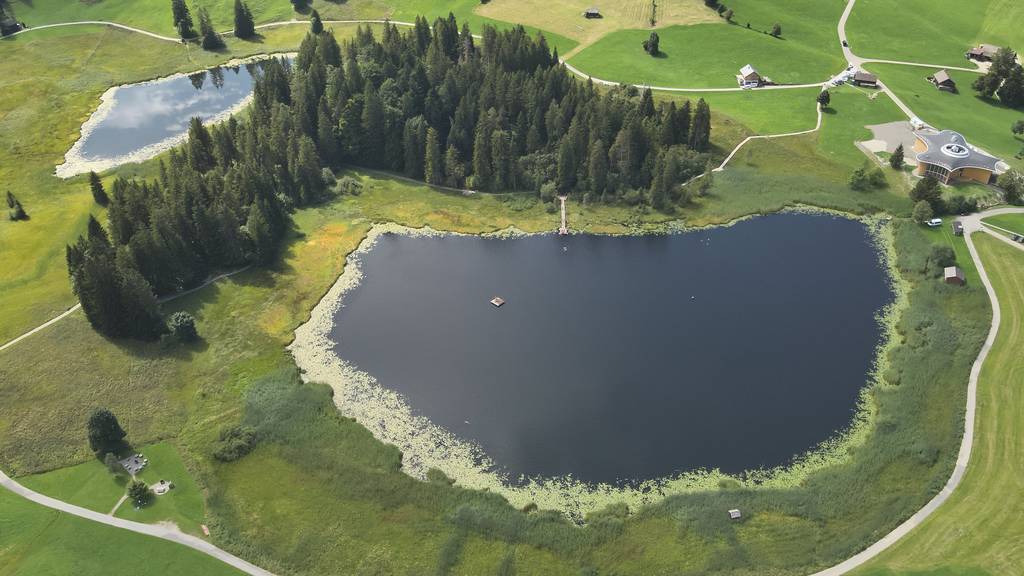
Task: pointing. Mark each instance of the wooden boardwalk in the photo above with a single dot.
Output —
(563, 229)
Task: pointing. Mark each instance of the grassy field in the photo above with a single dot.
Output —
(1011, 222)
(567, 17)
(933, 31)
(155, 15)
(36, 540)
(92, 486)
(354, 511)
(979, 530)
(985, 123)
(710, 55)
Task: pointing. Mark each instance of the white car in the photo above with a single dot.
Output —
(935, 222)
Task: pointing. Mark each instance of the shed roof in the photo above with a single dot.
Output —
(592, 10)
(942, 77)
(950, 150)
(953, 272)
(989, 49)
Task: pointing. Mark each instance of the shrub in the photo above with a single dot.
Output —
(922, 212)
(349, 185)
(328, 177)
(438, 477)
(235, 442)
(183, 327)
(139, 492)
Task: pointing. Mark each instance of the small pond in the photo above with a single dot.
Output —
(136, 122)
(626, 358)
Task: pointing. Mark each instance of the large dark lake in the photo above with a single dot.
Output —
(626, 358)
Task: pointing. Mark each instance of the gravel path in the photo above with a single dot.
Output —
(162, 531)
(972, 224)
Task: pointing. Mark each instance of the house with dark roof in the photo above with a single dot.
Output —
(948, 157)
(862, 78)
(983, 53)
(942, 81)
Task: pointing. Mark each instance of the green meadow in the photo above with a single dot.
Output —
(37, 540)
(985, 123)
(355, 511)
(710, 55)
(933, 31)
(1011, 222)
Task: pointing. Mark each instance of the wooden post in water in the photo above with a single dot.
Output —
(564, 229)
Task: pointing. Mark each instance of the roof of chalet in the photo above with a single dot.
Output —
(748, 71)
(862, 76)
(950, 150)
(942, 77)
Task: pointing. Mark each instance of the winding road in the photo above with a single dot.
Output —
(972, 225)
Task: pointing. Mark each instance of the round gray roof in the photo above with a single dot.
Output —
(950, 150)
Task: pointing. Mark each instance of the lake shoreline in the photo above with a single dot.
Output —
(425, 445)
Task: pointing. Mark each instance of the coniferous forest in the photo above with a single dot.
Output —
(493, 114)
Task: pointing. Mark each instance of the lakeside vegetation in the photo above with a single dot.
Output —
(973, 533)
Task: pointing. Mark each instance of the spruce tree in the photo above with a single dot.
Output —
(896, 160)
(211, 40)
(245, 28)
(824, 98)
(316, 26)
(182, 19)
(700, 131)
(96, 187)
(454, 169)
(597, 168)
(432, 163)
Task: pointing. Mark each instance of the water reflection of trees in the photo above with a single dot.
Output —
(217, 77)
(197, 79)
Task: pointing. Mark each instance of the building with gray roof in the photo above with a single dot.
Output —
(948, 157)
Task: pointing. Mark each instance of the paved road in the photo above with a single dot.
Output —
(972, 225)
(162, 531)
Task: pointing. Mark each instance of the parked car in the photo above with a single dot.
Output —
(935, 222)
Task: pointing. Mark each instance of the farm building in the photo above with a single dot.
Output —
(954, 275)
(948, 157)
(862, 78)
(942, 81)
(983, 53)
(592, 13)
(749, 77)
